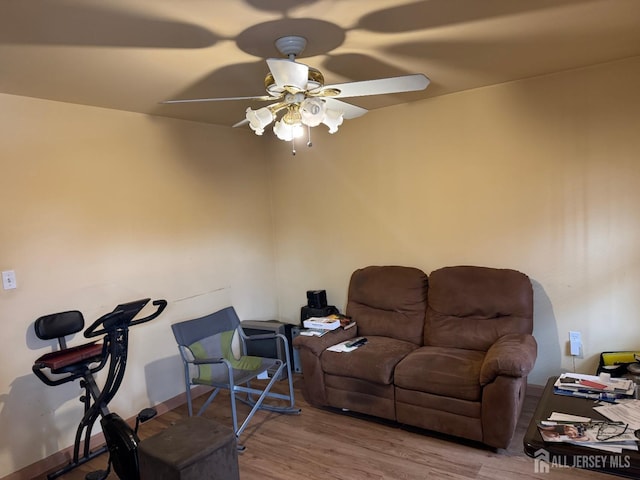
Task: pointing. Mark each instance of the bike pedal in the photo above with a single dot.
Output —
(97, 475)
(147, 414)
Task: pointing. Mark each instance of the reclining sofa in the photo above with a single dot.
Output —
(449, 353)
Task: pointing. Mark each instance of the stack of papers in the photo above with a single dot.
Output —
(611, 436)
(626, 411)
(597, 388)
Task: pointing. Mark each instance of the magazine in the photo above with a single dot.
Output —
(586, 433)
(313, 332)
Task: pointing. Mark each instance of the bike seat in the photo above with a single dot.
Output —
(65, 360)
(73, 362)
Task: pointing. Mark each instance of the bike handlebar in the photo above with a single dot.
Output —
(161, 304)
(122, 317)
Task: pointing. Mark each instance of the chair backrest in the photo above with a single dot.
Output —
(389, 301)
(59, 325)
(212, 336)
(191, 331)
(471, 307)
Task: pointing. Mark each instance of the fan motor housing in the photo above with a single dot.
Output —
(315, 79)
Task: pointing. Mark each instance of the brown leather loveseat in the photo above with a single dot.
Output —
(450, 352)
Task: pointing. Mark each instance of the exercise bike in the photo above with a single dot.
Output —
(83, 362)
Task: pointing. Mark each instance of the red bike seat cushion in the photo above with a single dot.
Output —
(86, 353)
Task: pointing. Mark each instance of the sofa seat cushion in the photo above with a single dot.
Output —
(450, 372)
(375, 361)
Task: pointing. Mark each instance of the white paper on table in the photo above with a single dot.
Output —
(341, 347)
(626, 412)
(610, 447)
(565, 417)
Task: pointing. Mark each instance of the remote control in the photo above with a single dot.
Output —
(356, 343)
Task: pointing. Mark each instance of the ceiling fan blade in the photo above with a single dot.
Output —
(382, 86)
(263, 98)
(348, 111)
(287, 73)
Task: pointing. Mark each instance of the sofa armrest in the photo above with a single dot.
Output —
(311, 348)
(318, 344)
(513, 355)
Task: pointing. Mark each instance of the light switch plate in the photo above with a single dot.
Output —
(8, 279)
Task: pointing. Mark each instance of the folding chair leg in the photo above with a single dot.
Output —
(189, 401)
(256, 405)
(259, 403)
(234, 413)
(188, 389)
(208, 401)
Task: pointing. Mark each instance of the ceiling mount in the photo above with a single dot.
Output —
(291, 45)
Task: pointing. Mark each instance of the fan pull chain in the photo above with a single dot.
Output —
(293, 146)
(309, 144)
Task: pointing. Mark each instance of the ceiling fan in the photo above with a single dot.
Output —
(301, 99)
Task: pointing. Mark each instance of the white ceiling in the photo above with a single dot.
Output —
(132, 54)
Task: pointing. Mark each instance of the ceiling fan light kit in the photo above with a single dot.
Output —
(301, 99)
(299, 112)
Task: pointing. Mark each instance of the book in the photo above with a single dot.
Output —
(323, 323)
(587, 433)
(349, 325)
(313, 332)
(590, 384)
(601, 396)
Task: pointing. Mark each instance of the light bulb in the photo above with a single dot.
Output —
(312, 111)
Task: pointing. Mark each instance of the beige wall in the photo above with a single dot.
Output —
(541, 175)
(101, 207)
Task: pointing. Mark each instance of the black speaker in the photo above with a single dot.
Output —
(316, 298)
(308, 312)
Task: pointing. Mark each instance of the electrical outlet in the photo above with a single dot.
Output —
(575, 343)
(8, 279)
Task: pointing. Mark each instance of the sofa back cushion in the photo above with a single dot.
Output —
(471, 307)
(389, 301)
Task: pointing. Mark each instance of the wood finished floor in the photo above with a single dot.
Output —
(322, 444)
